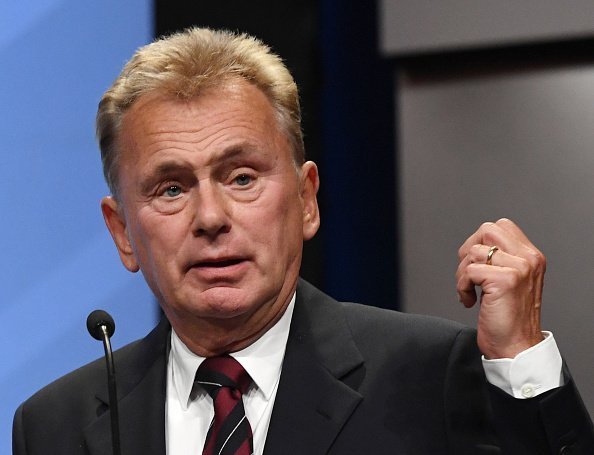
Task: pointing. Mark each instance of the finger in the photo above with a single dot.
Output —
(492, 234)
(472, 256)
(467, 294)
(479, 254)
(494, 281)
(475, 239)
(465, 288)
(468, 275)
(489, 278)
(511, 227)
(526, 248)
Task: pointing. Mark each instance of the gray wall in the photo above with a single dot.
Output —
(412, 26)
(518, 145)
(477, 143)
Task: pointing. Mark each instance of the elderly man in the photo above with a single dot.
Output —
(211, 198)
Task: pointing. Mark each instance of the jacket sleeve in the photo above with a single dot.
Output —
(558, 420)
(479, 414)
(18, 437)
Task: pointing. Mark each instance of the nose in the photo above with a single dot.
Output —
(210, 211)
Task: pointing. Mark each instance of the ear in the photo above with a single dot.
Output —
(310, 183)
(116, 223)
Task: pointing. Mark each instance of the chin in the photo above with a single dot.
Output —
(222, 302)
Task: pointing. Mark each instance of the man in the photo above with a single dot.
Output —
(212, 199)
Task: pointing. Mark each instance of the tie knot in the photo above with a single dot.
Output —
(223, 371)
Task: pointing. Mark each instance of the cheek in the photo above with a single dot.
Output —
(156, 237)
(282, 229)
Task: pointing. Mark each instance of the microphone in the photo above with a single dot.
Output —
(96, 320)
(101, 327)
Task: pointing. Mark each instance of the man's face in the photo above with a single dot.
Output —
(212, 209)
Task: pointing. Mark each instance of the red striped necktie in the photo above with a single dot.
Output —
(225, 380)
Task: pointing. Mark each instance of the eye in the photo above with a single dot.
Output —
(243, 179)
(172, 191)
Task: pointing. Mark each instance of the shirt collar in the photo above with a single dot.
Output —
(262, 359)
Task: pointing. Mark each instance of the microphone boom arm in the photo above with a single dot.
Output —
(111, 386)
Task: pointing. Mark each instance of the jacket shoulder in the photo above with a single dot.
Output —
(64, 407)
(380, 325)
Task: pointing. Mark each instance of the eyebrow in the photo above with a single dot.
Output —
(162, 170)
(175, 166)
(233, 151)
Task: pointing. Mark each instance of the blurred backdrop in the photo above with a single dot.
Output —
(425, 119)
(58, 262)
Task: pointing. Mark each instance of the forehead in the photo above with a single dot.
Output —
(235, 111)
(235, 97)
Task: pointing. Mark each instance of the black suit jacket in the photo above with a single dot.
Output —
(355, 380)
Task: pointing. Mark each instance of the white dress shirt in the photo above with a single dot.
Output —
(187, 418)
(532, 372)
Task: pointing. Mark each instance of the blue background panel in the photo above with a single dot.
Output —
(58, 261)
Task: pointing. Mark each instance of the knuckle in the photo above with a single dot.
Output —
(486, 226)
(536, 259)
(523, 267)
(489, 231)
(474, 253)
(542, 260)
(514, 278)
(460, 285)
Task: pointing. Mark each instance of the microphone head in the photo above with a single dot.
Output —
(98, 318)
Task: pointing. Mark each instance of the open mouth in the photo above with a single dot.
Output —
(219, 264)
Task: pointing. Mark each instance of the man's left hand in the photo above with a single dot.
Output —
(512, 281)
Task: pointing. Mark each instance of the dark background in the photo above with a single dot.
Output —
(331, 48)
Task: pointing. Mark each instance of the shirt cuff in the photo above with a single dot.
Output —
(532, 372)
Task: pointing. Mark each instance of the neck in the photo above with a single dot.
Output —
(208, 337)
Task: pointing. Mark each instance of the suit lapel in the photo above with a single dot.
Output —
(141, 399)
(313, 401)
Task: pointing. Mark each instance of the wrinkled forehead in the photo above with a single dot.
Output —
(232, 91)
(235, 102)
(227, 124)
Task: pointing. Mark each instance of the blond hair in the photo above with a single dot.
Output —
(183, 65)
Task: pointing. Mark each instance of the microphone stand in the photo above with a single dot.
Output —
(113, 399)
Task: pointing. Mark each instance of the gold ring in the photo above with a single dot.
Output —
(490, 254)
